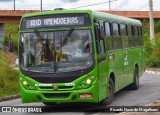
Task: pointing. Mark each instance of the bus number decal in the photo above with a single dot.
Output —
(69, 84)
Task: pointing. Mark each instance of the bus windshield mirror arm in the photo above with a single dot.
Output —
(67, 36)
(37, 34)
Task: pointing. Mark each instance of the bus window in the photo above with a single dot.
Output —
(123, 28)
(108, 37)
(116, 36)
(137, 37)
(101, 43)
(115, 29)
(140, 34)
(102, 46)
(108, 29)
(131, 35)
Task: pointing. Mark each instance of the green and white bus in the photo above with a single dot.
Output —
(78, 56)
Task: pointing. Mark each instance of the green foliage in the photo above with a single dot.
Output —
(148, 45)
(157, 27)
(7, 74)
(145, 24)
(152, 49)
(13, 29)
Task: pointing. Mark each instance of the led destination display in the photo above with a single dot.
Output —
(55, 21)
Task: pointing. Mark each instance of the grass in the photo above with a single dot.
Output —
(9, 82)
(11, 88)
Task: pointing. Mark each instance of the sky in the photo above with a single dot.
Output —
(140, 5)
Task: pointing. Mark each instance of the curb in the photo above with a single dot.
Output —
(9, 98)
(153, 72)
(150, 104)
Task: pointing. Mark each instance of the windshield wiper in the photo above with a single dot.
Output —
(67, 36)
(38, 34)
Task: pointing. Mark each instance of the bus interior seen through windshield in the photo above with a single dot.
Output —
(56, 51)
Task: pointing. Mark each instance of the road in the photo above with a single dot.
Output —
(149, 91)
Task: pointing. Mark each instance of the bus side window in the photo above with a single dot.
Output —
(116, 36)
(123, 28)
(102, 46)
(101, 41)
(131, 35)
(108, 37)
(137, 36)
(140, 35)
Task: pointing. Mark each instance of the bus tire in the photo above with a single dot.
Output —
(109, 99)
(49, 103)
(135, 84)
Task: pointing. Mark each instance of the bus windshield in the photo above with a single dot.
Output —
(56, 51)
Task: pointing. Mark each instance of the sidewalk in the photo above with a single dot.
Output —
(153, 69)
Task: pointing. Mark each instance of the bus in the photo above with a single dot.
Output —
(78, 56)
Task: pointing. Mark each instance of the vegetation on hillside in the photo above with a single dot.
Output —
(8, 77)
(12, 30)
(152, 47)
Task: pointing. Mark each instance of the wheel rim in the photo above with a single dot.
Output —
(110, 91)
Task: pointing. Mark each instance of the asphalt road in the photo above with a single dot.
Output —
(149, 91)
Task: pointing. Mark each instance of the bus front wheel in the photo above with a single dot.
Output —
(109, 99)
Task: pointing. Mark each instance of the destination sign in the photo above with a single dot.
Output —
(55, 21)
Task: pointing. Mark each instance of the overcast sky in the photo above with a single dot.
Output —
(67, 4)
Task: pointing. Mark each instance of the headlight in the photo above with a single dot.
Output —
(26, 84)
(86, 83)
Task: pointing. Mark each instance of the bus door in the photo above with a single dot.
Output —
(102, 66)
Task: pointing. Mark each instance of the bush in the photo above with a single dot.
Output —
(14, 34)
(145, 24)
(157, 27)
(152, 49)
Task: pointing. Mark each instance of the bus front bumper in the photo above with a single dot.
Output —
(81, 95)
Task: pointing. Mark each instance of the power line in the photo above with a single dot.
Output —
(94, 4)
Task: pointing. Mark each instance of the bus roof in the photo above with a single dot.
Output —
(115, 18)
(57, 12)
(95, 14)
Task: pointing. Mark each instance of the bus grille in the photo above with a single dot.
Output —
(54, 80)
(56, 95)
(59, 87)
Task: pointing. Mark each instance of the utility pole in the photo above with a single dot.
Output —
(151, 19)
(109, 5)
(41, 5)
(14, 4)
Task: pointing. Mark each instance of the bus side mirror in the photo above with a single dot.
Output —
(101, 33)
(11, 47)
